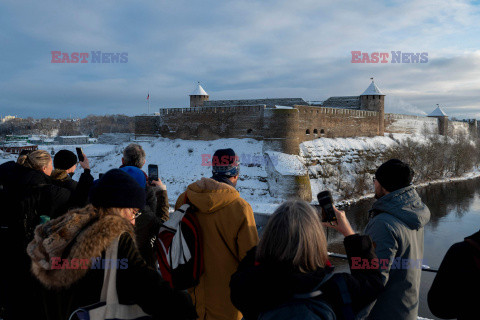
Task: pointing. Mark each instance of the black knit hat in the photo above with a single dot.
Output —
(394, 174)
(64, 160)
(117, 189)
(225, 163)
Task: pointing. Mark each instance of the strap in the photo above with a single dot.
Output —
(109, 288)
(315, 292)
(347, 300)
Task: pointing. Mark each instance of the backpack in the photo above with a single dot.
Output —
(180, 249)
(310, 306)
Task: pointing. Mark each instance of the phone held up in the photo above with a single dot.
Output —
(326, 203)
(80, 154)
(152, 172)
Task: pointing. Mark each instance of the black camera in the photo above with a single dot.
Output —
(326, 203)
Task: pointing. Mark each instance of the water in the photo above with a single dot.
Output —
(455, 209)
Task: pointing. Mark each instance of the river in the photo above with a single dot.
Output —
(455, 214)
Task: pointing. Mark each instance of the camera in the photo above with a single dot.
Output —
(326, 203)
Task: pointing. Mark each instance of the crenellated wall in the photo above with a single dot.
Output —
(317, 122)
(204, 123)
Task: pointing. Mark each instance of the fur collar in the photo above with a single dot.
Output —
(79, 234)
(59, 174)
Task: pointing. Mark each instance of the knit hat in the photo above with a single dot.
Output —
(394, 174)
(225, 163)
(64, 160)
(136, 174)
(117, 189)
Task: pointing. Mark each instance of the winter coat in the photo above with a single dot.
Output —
(20, 180)
(256, 288)
(228, 230)
(454, 292)
(26, 194)
(84, 234)
(148, 223)
(79, 190)
(396, 228)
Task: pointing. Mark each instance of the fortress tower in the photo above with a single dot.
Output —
(198, 96)
(373, 99)
(442, 120)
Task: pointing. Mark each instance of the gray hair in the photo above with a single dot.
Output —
(134, 155)
(294, 234)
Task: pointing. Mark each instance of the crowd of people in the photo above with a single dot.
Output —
(58, 237)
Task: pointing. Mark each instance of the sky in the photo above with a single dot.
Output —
(236, 49)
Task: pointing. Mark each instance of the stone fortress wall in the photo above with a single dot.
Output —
(282, 124)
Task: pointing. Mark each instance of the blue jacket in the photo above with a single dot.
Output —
(396, 228)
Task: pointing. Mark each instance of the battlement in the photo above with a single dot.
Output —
(233, 109)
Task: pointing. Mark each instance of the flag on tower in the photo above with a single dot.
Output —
(148, 96)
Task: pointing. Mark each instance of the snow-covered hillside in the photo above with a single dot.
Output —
(333, 164)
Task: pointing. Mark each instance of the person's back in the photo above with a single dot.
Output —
(228, 230)
(396, 228)
(454, 292)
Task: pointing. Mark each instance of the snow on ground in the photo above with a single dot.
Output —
(182, 162)
(333, 163)
(287, 164)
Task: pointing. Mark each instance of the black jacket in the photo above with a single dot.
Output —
(454, 292)
(259, 288)
(79, 190)
(20, 180)
(26, 194)
(148, 223)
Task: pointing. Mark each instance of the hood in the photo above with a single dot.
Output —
(209, 195)
(78, 234)
(406, 205)
(263, 287)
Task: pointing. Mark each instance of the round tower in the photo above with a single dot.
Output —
(373, 99)
(442, 119)
(198, 96)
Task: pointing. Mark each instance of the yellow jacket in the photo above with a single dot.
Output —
(228, 230)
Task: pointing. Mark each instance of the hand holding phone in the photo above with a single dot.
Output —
(326, 203)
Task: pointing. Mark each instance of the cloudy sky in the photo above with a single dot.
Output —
(237, 49)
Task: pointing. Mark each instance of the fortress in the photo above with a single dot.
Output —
(283, 123)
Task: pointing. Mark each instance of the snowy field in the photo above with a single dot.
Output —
(182, 162)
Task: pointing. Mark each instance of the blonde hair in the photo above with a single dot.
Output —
(36, 160)
(294, 235)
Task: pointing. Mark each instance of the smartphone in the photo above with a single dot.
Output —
(80, 154)
(326, 203)
(152, 172)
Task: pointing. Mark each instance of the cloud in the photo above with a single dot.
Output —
(238, 49)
